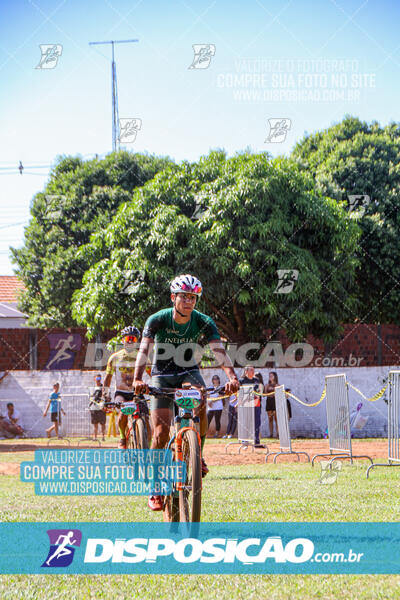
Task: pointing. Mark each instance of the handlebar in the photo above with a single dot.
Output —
(159, 392)
(113, 404)
(153, 391)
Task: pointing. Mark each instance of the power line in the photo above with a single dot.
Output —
(13, 224)
(28, 167)
(25, 173)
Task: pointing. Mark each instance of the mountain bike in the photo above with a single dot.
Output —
(184, 502)
(136, 432)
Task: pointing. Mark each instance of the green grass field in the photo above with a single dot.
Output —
(286, 492)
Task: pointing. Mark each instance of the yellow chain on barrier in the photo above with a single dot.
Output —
(288, 394)
(306, 403)
(377, 396)
(221, 397)
(373, 398)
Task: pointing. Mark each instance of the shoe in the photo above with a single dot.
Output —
(215, 435)
(122, 444)
(224, 437)
(259, 446)
(156, 502)
(204, 468)
(229, 436)
(103, 439)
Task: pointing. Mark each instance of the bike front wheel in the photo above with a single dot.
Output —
(137, 438)
(141, 435)
(190, 494)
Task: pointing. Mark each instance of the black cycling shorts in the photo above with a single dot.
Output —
(175, 381)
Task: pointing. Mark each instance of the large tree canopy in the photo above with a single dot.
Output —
(80, 198)
(355, 158)
(233, 223)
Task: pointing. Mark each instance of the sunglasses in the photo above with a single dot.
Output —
(195, 290)
(130, 339)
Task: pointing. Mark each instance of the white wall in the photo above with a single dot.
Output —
(29, 391)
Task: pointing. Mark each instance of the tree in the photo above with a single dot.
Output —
(358, 164)
(80, 198)
(233, 223)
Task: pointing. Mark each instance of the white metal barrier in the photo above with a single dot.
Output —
(338, 418)
(246, 419)
(393, 423)
(282, 417)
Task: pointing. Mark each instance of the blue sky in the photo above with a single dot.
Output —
(323, 59)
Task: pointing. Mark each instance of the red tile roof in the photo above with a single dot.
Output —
(10, 286)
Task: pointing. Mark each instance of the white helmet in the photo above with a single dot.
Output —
(186, 284)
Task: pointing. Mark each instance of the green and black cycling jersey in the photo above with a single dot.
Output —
(162, 328)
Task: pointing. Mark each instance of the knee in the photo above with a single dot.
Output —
(160, 435)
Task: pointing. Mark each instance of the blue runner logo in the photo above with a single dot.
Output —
(62, 547)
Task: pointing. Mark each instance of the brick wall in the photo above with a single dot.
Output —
(360, 345)
(14, 349)
(364, 345)
(15, 344)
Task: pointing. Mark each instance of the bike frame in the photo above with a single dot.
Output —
(132, 416)
(182, 423)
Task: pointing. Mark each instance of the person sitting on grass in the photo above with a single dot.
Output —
(13, 419)
(54, 404)
(7, 429)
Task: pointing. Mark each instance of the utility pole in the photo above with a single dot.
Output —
(114, 90)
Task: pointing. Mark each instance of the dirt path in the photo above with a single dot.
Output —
(215, 454)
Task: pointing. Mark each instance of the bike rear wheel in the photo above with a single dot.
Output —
(171, 509)
(190, 495)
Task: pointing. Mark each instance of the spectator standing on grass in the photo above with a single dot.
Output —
(232, 417)
(257, 404)
(270, 406)
(249, 378)
(215, 407)
(54, 404)
(97, 416)
(289, 406)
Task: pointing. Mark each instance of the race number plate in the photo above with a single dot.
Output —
(128, 408)
(188, 398)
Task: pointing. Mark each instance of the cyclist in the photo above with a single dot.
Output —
(122, 363)
(171, 328)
